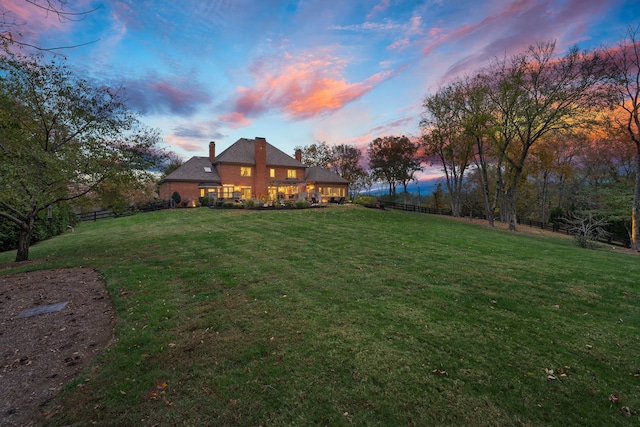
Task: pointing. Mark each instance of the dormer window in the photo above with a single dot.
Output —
(291, 173)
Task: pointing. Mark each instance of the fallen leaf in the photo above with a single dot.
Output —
(626, 411)
(123, 392)
(162, 385)
(614, 399)
(439, 372)
(153, 396)
(172, 345)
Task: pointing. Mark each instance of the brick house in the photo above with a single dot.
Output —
(252, 169)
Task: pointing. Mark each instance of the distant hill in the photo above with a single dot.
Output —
(424, 187)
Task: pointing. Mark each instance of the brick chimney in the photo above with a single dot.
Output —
(212, 151)
(298, 155)
(262, 174)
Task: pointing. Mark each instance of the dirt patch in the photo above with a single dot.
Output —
(40, 353)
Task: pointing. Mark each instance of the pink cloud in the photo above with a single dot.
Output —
(26, 22)
(380, 7)
(302, 87)
(414, 28)
(520, 24)
(153, 94)
(235, 120)
(186, 145)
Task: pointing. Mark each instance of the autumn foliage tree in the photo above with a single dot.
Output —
(445, 138)
(61, 138)
(394, 160)
(624, 74)
(346, 162)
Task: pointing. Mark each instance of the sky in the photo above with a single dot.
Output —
(298, 72)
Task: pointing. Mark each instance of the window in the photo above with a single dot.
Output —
(332, 191)
(245, 171)
(207, 169)
(291, 173)
(246, 192)
(272, 173)
(227, 191)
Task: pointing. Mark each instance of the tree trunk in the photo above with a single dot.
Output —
(24, 241)
(635, 213)
(486, 195)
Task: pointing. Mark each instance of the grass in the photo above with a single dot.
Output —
(350, 316)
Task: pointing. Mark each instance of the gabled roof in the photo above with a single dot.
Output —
(194, 169)
(318, 174)
(243, 152)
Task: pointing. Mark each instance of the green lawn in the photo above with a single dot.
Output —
(351, 316)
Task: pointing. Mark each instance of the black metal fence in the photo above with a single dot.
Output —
(557, 228)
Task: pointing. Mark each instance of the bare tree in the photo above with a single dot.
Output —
(624, 63)
(10, 23)
(535, 93)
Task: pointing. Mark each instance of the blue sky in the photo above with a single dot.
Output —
(302, 71)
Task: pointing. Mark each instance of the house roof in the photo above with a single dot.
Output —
(194, 169)
(319, 174)
(243, 152)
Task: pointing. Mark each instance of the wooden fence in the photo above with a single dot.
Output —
(102, 214)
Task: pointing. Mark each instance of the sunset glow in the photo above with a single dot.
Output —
(298, 72)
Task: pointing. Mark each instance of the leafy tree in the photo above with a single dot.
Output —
(445, 138)
(624, 68)
(319, 154)
(60, 138)
(171, 162)
(393, 159)
(345, 162)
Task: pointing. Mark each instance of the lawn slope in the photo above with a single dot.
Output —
(351, 316)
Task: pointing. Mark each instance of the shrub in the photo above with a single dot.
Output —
(249, 204)
(366, 200)
(207, 201)
(175, 197)
(302, 204)
(586, 228)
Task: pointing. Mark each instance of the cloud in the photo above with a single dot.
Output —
(185, 144)
(302, 88)
(193, 137)
(514, 28)
(165, 95)
(380, 7)
(27, 22)
(368, 26)
(236, 120)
